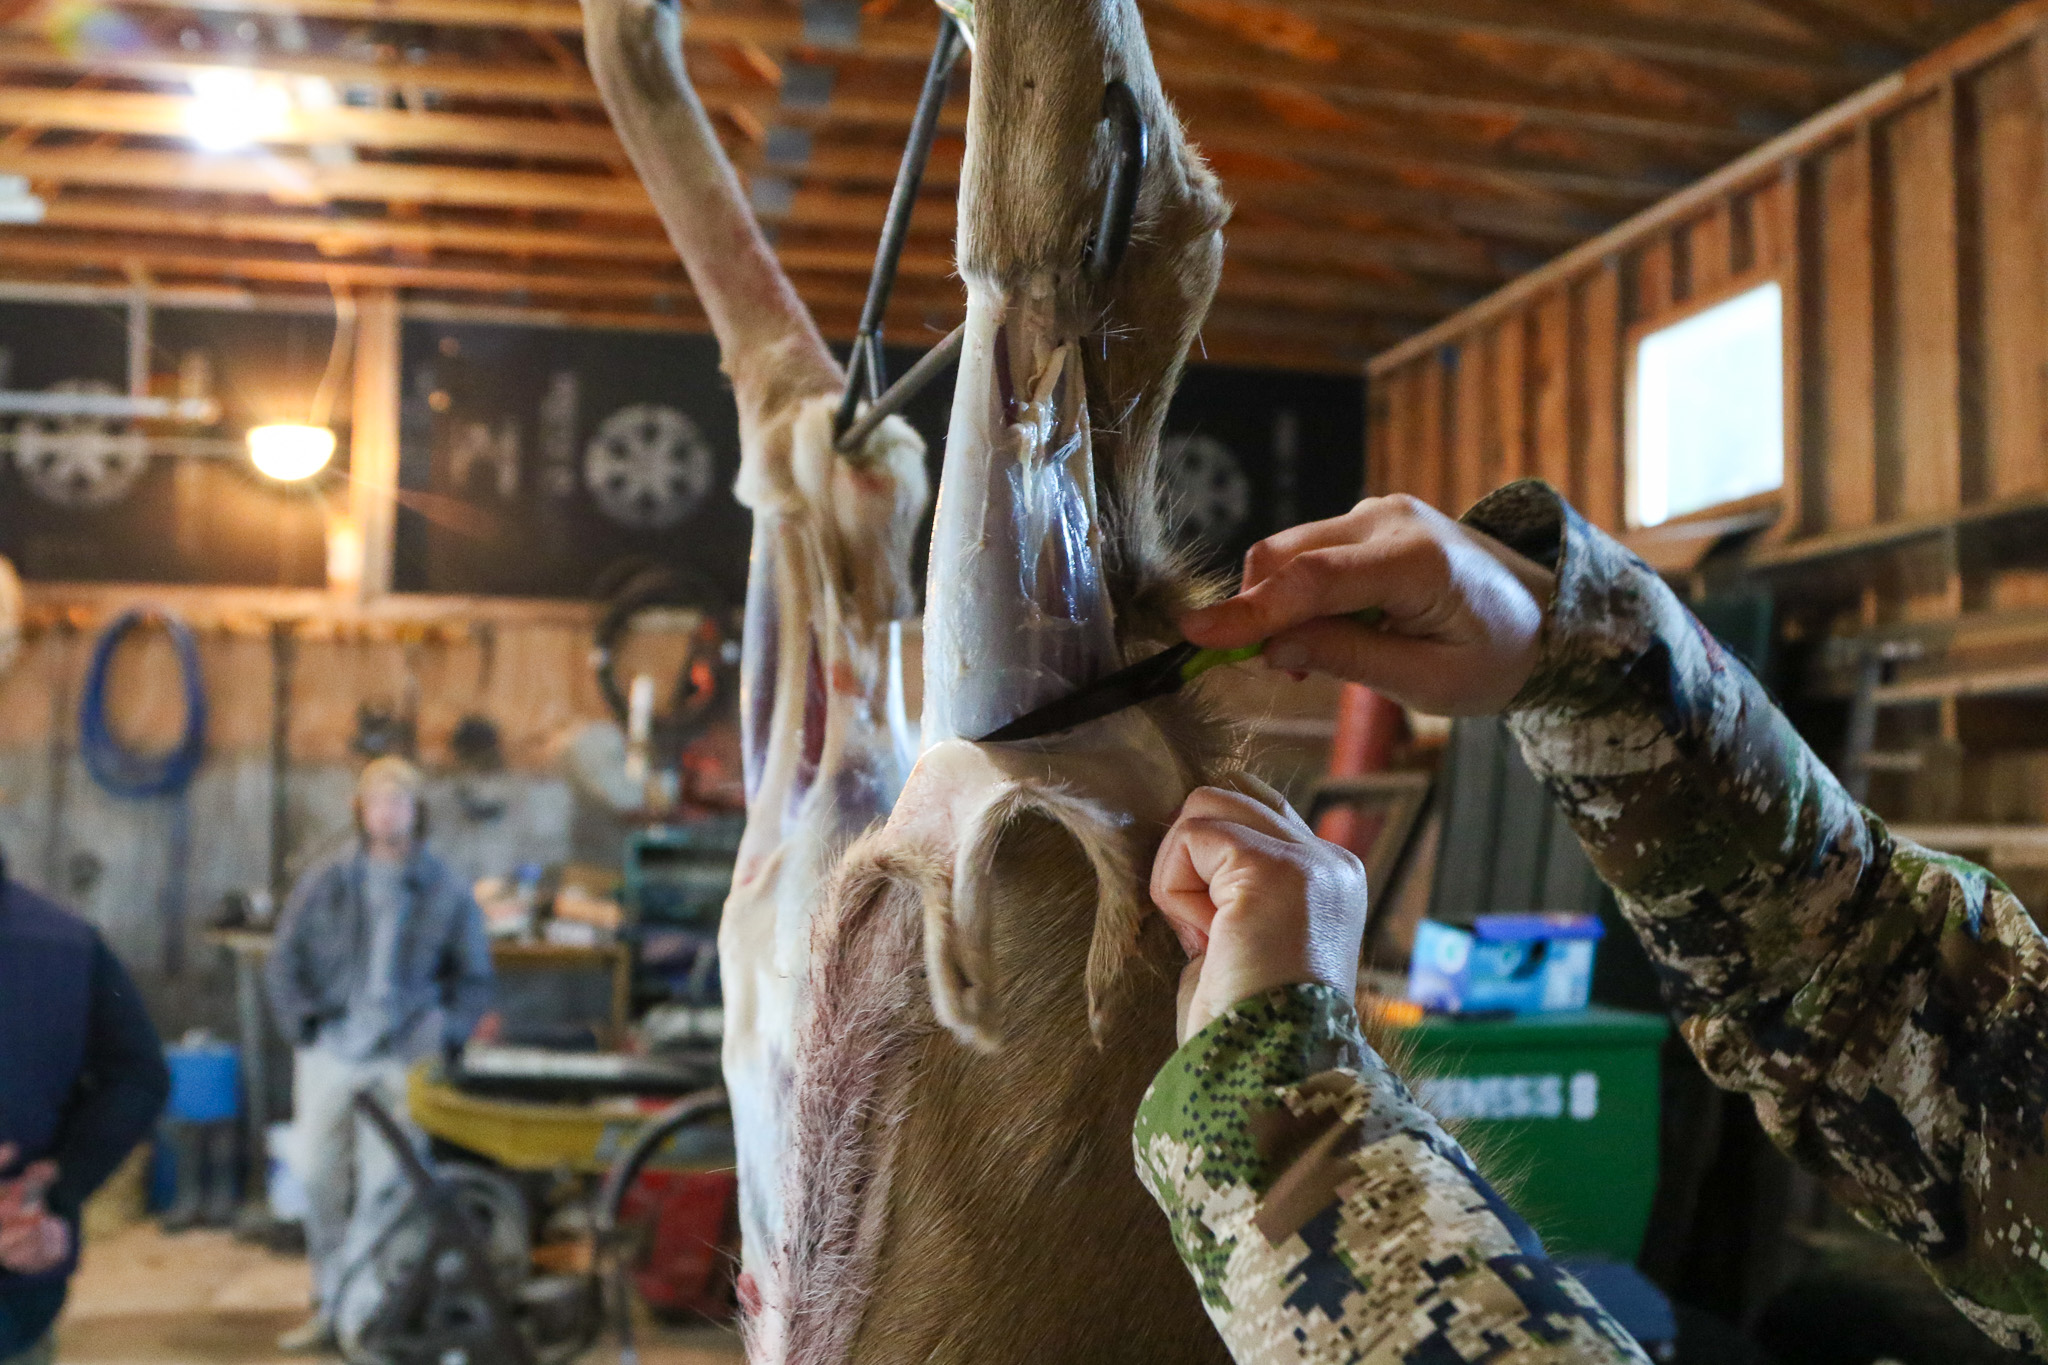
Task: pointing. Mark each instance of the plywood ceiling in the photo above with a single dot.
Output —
(1390, 160)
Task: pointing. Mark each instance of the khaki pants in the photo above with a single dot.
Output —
(346, 1166)
(43, 1352)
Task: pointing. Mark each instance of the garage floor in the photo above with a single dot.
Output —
(203, 1298)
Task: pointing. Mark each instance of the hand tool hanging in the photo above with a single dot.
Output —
(133, 776)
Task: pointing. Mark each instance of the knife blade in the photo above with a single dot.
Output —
(1161, 675)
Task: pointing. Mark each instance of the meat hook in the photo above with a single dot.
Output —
(1126, 174)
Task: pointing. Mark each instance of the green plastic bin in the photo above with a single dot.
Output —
(1559, 1111)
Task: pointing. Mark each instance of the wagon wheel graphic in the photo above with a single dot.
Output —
(648, 466)
(80, 462)
(1209, 495)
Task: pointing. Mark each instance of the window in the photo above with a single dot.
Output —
(1708, 420)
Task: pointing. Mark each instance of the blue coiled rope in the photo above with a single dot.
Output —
(121, 770)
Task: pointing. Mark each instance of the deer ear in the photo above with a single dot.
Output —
(959, 959)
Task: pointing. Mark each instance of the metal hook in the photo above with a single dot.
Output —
(1126, 175)
(864, 374)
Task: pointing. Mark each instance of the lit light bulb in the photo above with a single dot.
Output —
(288, 451)
(231, 109)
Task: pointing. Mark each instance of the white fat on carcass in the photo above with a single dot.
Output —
(1017, 612)
(825, 736)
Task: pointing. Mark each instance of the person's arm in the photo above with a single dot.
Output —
(121, 1089)
(1885, 1006)
(1324, 1215)
(468, 980)
(291, 1003)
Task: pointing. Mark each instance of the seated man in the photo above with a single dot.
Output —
(82, 1078)
(381, 960)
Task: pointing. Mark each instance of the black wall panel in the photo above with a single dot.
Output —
(535, 461)
(80, 500)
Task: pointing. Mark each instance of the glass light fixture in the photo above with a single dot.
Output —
(232, 108)
(290, 451)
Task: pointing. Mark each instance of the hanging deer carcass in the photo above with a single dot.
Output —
(825, 739)
(989, 997)
(944, 1083)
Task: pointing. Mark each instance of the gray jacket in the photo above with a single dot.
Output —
(444, 955)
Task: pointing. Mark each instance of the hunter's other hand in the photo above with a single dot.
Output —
(1257, 900)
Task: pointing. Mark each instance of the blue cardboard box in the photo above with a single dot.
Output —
(1524, 963)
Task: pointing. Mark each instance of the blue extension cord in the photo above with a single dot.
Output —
(121, 770)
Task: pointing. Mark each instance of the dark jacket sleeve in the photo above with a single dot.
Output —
(468, 980)
(293, 1003)
(121, 1088)
(1884, 1006)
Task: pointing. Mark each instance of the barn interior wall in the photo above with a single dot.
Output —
(110, 857)
(1908, 230)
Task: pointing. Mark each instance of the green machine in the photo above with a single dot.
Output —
(1559, 1110)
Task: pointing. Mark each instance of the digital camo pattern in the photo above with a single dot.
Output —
(1883, 1005)
(1328, 1218)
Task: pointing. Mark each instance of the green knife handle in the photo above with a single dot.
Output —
(1204, 660)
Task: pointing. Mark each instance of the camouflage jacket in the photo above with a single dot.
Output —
(1886, 1007)
(1327, 1218)
(1882, 1004)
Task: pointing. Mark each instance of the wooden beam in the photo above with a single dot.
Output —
(299, 180)
(339, 236)
(1242, 284)
(373, 438)
(167, 116)
(1566, 24)
(501, 80)
(1182, 64)
(146, 115)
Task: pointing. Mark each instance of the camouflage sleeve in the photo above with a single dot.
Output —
(1327, 1218)
(1883, 1005)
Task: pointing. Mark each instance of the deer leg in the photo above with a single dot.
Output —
(828, 583)
(1017, 611)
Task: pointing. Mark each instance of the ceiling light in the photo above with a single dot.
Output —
(288, 451)
(231, 109)
(17, 203)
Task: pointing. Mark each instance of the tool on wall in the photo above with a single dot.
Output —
(706, 682)
(123, 772)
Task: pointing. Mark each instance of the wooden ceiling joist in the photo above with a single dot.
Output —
(1183, 63)
(1389, 160)
(1571, 25)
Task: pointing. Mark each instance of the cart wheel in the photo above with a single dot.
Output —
(393, 1269)
(613, 1263)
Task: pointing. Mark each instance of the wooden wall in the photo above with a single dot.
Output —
(1906, 228)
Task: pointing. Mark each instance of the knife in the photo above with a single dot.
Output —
(1147, 680)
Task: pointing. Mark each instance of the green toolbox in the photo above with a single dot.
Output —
(1559, 1110)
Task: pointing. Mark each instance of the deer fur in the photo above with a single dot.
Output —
(990, 997)
(825, 739)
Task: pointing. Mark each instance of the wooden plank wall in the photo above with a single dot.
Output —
(1907, 230)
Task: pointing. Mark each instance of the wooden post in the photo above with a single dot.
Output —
(1796, 233)
(373, 449)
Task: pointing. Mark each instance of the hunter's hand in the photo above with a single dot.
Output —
(1463, 613)
(1257, 900)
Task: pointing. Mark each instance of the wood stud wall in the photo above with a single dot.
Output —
(1907, 230)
